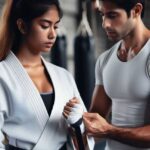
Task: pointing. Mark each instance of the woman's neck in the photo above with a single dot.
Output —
(28, 58)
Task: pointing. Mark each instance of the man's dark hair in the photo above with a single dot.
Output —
(127, 5)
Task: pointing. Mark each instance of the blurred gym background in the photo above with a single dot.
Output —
(80, 41)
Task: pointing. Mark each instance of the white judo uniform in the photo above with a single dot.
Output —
(128, 86)
(23, 115)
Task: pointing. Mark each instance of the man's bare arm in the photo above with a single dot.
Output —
(101, 103)
(97, 126)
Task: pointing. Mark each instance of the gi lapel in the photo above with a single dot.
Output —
(30, 91)
(50, 138)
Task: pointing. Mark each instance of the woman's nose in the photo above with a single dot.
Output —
(52, 33)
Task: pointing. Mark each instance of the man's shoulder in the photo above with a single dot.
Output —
(109, 51)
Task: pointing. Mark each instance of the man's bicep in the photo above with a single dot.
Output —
(101, 103)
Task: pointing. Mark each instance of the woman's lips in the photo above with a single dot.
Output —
(49, 44)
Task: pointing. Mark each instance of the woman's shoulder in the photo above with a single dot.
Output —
(4, 73)
(2, 67)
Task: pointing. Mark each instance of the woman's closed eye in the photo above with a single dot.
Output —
(45, 26)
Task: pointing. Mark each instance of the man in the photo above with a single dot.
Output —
(122, 79)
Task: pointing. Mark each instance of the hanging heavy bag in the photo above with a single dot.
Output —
(84, 61)
(58, 54)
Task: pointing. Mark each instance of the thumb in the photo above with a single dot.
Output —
(90, 115)
(86, 120)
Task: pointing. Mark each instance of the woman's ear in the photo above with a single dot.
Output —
(21, 26)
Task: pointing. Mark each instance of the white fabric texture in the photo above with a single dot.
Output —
(75, 114)
(128, 86)
(23, 116)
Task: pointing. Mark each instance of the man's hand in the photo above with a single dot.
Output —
(96, 125)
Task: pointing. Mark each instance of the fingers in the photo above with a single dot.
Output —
(65, 115)
(87, 122)
(91, 116)
(88, 126)
(90, 121)
(67, 108)
(74, 100)
(66, 111)
(73, 111)
(70, 106)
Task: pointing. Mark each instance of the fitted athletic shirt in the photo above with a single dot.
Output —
(128, 86)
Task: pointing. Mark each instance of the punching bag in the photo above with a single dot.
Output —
(84, 60)
(58, 53)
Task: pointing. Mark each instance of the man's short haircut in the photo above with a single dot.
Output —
(127, 5)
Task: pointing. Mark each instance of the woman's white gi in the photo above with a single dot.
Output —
(23, 115)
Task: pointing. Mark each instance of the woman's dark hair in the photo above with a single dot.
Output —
(27, 10)
(127, 5)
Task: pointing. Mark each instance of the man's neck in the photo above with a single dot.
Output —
(133, 43)
(137, 38)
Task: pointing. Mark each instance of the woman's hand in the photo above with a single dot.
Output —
(73, 111)
(69, 105)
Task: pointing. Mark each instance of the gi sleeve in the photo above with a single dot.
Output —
(2, 147)
(79, 129)
(75, 90)
(2, 98)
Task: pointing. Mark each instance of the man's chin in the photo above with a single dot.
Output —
(114, 39)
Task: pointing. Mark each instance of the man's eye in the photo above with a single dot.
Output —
(112, 16)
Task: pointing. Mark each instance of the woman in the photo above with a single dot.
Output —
(33, 92)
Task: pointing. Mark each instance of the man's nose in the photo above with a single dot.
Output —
(106, 23)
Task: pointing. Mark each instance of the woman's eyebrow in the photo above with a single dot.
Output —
(48, 21)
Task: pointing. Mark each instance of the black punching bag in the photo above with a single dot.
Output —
(58, 53)
(85, 61)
